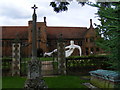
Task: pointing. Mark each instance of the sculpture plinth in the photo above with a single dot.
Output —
(34, 68)
(34, 79)
(35, 84)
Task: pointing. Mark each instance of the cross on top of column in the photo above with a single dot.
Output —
(34, 7)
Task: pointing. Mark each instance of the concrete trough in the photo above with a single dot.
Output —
(105, 78)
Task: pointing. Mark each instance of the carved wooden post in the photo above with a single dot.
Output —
(61, 56)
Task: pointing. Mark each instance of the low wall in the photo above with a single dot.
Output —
(6, 67)
(83, 65)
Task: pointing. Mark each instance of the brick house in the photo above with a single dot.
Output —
(47, 37)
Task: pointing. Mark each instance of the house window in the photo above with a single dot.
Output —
(55, 42)
(87, 51)
(80, 43)
(49, 43)
(0, 43)
(65, 42)
(9, 43)
(92, 39)
(6, 43)
(91, 50)
(3, 44)
(97, 49)
(86, 39)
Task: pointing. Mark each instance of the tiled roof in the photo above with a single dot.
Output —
(10, 32)
(67, 32)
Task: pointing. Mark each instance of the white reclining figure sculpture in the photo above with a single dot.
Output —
(71, 48)
(50, 53)
(68, 52)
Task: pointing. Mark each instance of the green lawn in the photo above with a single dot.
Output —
(13, 82)
(52, 82)
(65, 82)
(42, 59)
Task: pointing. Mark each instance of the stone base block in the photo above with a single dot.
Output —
(101, 83)
(35, 84)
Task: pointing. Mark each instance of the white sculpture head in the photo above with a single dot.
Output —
(72, 42)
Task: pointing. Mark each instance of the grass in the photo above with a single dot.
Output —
(13, 82)
(0, 82)
(65, 82)
(42, 59)
(46, 58)
(52, 82)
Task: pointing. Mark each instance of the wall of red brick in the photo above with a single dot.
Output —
(43, 36)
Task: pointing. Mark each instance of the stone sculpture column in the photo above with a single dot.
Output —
(61, 56)
(34, 79)
(15, 59)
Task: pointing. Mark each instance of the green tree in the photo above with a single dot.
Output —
(60, 6)
(109, 16)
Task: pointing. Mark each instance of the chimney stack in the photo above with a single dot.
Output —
(91, 26)
(45, 19)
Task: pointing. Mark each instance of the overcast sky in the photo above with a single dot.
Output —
(19, 12)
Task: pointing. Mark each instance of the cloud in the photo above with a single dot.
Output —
(14, 10)
(76, 16)
(14, 13)
(19, 12)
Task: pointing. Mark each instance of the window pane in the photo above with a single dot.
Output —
(80, 43)
(92, 39)
(92, 50)
(97, 49)
(86, 39)
(87, 52)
